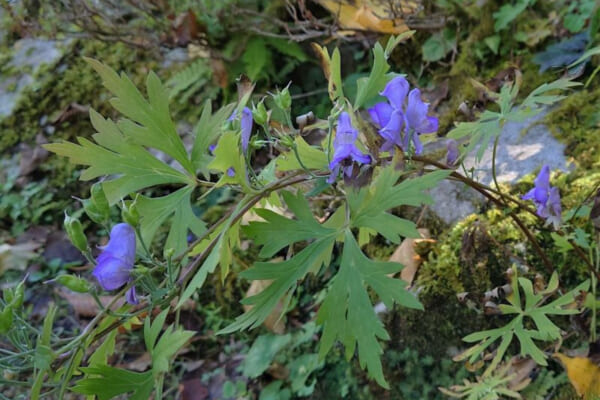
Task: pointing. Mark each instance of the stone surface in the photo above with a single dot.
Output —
(523, 148)
(28, 56)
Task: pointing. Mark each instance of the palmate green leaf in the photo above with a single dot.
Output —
(312, 157)
(284, 275)
(116, 154)
(171, 341)
(369, 87)
(153, 124)
(531, 308)
(347, 312)
(368, 207)
(155, 211)
(489, 125)
(228, 155)
(256, 58)
(206, 132)
(278, 231)
(106, 382)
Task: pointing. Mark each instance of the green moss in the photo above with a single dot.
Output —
(572, 121)
(55, 89)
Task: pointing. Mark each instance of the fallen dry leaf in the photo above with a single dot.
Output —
(139, 364)
(406, 255)
(583, 372)
(84, 304)
(365, 15)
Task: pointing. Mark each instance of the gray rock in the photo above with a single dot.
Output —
(29, 55)
(523, 148)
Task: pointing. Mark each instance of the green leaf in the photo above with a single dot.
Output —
(115, 154)
(493, 42)
(300, 369)
(369, 87)
(533, 310)
(152, 330)
(368, 207)
(288, 48)
(206, 132)
(261, 354)
(155, 211)
(284, 275)
(228, 155)
(171, 341)
(312, 157)
(347, 312)
(154, 126)
(256, 58)
(508, 13)
(278, 231)
(439, 45)
(107, 382)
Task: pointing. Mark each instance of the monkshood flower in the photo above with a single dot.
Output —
(452, 152)
(403, 118)
(345, 151)
(245, 125)
(114, 264)
(545, 197)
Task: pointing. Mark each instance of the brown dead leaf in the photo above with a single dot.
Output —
(139, 364)
(185, 28)
(406, 255)
(193, 389)
(522, 369)
(273, 322)
(16, 256)
(219, 72)
(365, 15)
(84, 304)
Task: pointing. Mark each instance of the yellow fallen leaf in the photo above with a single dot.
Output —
(366, 15)
(583, 374)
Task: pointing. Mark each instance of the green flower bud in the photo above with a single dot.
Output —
(130, 214)
(6, 319)
(18, 295)
(170, 252)
(287, 141)
(99, 200)
(283, 99)
(259, 113)
(92, 211)
(75, 232)
(74, 283)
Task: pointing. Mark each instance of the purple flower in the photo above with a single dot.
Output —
(345, 151)
(545, 197)
(404, 118)
(452, 151)
(114, 264)
(245, 125)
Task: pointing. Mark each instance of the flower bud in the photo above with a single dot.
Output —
(130, 214)
(287, 141)
(99, 200)
(92, 211)
(170, 252)
(283, 99)
(6, 319)
(75, 232)
(74, 283)
(259, 113)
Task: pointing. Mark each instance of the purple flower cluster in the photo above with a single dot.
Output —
(245, 125)
(114, 264)
(345, 151)
(403, 117)
(545, 197)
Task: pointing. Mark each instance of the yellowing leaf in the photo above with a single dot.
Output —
(367, 16)
(583, 374)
